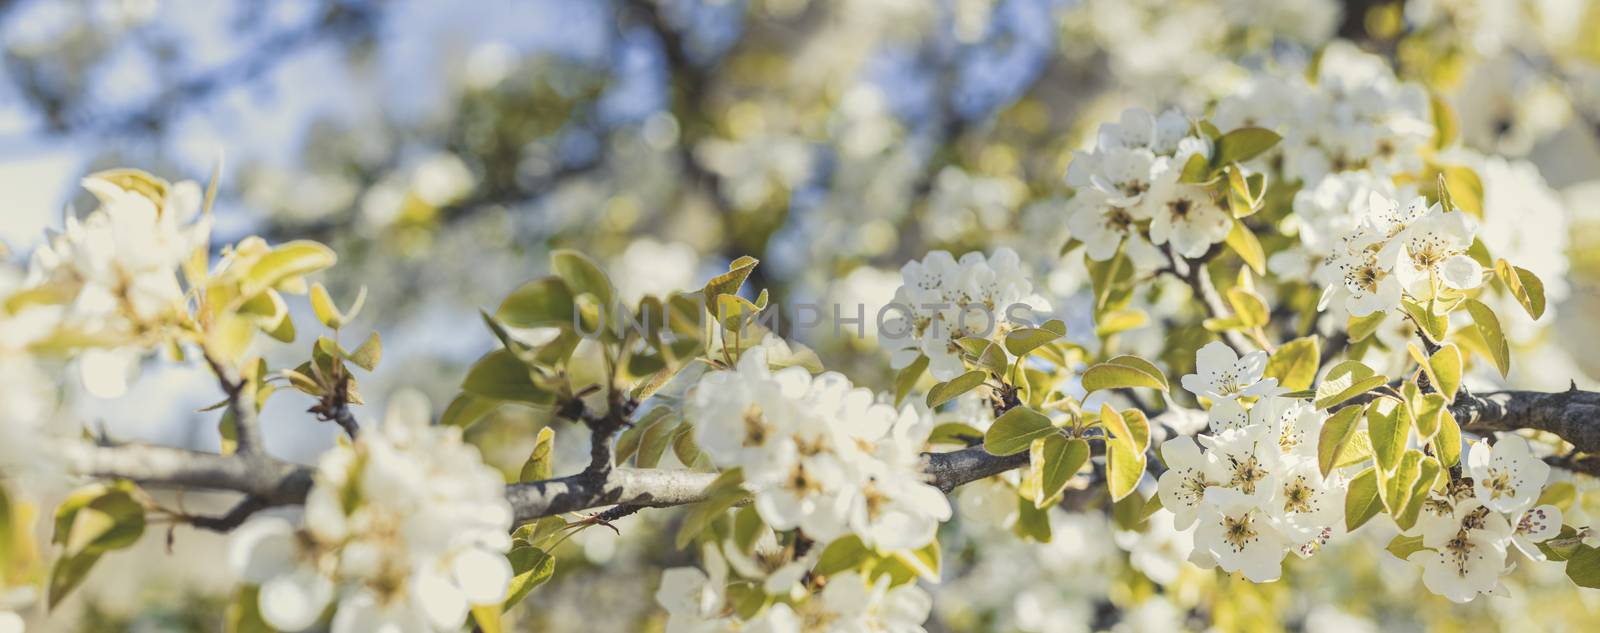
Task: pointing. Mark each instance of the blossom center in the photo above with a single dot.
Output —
(1238, 532)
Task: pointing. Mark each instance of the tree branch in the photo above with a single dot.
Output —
(1572, 415)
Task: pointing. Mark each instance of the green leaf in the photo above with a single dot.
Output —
(1124, 372)
(1583, 567)
(1015, 430)
(110, 521)
(947, 391)
(954, 433)
(1403, 546)
(843, 554)
(487, 617)
(729, 282)
(1447, 366)
(1196, 170)
(1056, 459)
(1023, 340)
(683, 445)
(540, 465)
(1524, 285)
(1244, 242)
(545, 302)
(628, 442)
(328, 312)
(1493, 338)
(1105, 276)
(288, 261)
(1243, 144)
(1125, 452)
(1345, 381)
(1447, 442)
(1295, 363)
(1395, 490)
(1389, 432)
(1032, 523)
(500, 376)
(1465, 189)
(908, 377)
(1248, 306)
(1428, 470)
(1240, 204)
(1361, 502)
(984, 354)
(67, 573)
(368, 354)
(1429, 411)
(724, 492)
(466, 410)
(582, 276)
(1335, 435)
(1359, 328)
(1118, 321)
(1433, 326)
(530, 567)
(656, 437)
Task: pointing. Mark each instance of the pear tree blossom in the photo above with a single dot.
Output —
(1303, 238)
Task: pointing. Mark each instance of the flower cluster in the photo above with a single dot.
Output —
(1355, 116)
(698, 602)
(1467, 529)
(406, 528)
(1415, 250)
(942, 299)
(1133, 174)
(1255, 492)
(116, 270)
(819, 454)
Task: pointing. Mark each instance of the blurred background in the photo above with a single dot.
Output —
(443, 148)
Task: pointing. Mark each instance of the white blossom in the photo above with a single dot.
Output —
(1536, 525)
(1507, 477)
(943, 299)
(819, 454)
(1221, 374)
(405, 529)
(1465, 547)
(1433, 250)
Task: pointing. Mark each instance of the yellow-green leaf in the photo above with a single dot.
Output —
(908, 377)
(950, 390)
(1524, 285)
(1056, 459)
(1243, 144)
(728, 282)
(1244, 242)
(1295, 363)
(1124, 372)
(582, 276)
(545, 302)
(500, 376)
(1389, 431)
(1023, 340)
(1361, 501)
(1335, 435)
(1446, 364)
(1493, 337)
(540, 465)
(1015, 430)
(287, 261)
(1345, 381)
